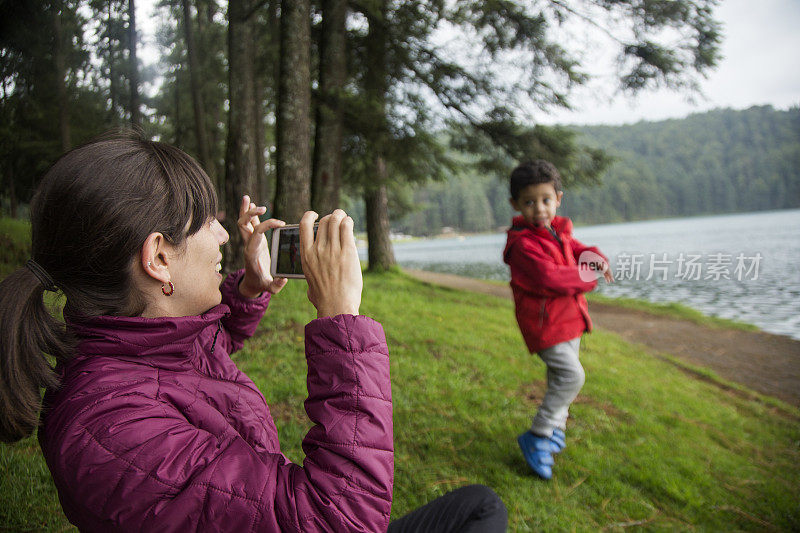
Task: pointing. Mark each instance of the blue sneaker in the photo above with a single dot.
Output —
(558, 440)
(538, 453)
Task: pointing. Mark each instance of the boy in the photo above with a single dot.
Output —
(548, 285)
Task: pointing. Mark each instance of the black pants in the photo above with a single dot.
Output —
(470, 509)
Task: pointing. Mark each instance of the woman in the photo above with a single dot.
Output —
(147, 423)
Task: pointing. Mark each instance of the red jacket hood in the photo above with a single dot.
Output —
(520, 227)
(562, 225)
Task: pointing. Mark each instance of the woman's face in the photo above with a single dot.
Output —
(195, 271)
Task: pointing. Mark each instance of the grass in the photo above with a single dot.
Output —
(649, 444)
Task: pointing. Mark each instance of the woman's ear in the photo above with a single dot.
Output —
(154, 257)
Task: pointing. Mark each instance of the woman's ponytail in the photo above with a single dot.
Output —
(28, 333)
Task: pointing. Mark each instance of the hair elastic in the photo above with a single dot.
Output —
(42, 275)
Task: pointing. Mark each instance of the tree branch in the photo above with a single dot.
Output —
(586, 18)
(452, 104)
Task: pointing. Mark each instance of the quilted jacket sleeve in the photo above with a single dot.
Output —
(245, 313)
(543, 276)
(346, 481)
(127, 459)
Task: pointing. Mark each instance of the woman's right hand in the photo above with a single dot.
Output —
(330, 264)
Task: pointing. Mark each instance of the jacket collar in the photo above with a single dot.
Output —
(114, 335)
(562, 225)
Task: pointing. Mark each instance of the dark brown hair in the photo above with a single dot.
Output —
(89, 218)
(533, 173)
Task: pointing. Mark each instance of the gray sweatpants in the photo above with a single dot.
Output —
(565, 377)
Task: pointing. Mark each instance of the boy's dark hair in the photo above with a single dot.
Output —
(533, 173)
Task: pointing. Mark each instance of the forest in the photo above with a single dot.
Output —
(721, 161)
(317, 104)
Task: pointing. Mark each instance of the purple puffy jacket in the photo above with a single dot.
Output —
(154, 428)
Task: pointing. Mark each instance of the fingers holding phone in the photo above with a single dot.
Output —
(257, 277)
(330, 263)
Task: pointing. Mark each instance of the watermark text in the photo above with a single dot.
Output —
(687, 267)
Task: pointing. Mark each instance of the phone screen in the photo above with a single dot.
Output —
(288, 261)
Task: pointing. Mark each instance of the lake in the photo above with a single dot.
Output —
(742, 266)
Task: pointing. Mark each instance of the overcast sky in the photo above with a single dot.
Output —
(760, 65)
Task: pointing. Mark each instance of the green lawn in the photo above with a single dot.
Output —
(649, 445)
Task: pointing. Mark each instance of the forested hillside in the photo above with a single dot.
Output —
(715, 162)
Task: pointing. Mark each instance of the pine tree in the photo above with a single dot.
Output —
(240, 160)
(293, 151)
(329, 133)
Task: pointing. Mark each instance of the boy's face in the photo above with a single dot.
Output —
(538, 203)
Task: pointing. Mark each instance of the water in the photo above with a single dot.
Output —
(742, 267)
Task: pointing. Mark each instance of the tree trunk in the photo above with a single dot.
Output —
(260, 135)
(274, 28)
(133, 68)
(381, 256)
(379, 253)
(259, 130)
(12, 192)
(61, 84)
(178, 119)
(326, 182)
(112, 78)
(197, 95)
(271, 67)
(293, 151)
(240, 162)
(205, 21)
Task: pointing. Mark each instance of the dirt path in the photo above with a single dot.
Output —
(764, 362)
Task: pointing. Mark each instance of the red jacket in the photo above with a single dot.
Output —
(154, 428)
(547, 284)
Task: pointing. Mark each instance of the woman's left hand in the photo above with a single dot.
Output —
(257, 278)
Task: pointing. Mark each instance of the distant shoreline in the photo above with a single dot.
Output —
(503, 229)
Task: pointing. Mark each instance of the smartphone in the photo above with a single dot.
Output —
(286, 261)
